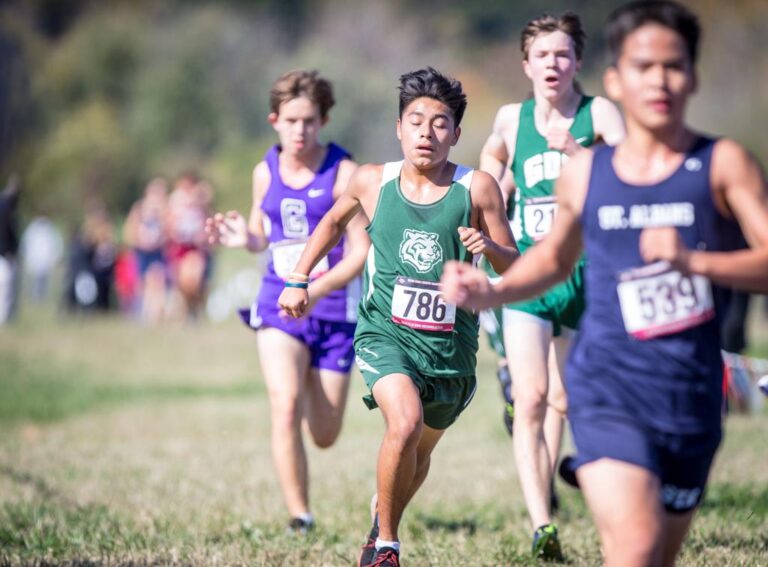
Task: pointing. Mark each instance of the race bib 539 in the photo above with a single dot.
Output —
(657, 300)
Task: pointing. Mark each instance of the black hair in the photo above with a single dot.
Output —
(433, 84)
(626, 19)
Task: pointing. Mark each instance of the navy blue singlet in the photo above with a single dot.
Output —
(663, 375)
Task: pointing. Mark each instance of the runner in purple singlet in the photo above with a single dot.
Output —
(305, 362)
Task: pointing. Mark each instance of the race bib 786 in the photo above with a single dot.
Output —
(419, 305)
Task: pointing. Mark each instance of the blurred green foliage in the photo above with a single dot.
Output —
(97, 97)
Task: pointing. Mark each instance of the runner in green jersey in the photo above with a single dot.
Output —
(416, 352)
(534, 139)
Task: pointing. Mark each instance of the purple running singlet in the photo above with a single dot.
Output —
(291, 216)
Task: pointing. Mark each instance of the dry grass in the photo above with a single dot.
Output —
(127, 475)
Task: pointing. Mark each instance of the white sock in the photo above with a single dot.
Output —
(384, 543)
(307, 517)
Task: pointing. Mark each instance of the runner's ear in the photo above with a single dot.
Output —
(456, 135)
(612, 84)
(527, 69)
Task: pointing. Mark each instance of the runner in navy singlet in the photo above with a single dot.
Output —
(659, 218)
(305, 362)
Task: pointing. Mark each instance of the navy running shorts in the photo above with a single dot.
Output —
(680, 461)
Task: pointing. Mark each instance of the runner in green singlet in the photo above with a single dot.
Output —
(535, 138)
(415, 351)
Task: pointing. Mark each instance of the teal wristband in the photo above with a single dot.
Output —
(300, 285)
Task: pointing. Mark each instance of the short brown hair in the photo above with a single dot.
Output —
(298, 83)
(569, 23)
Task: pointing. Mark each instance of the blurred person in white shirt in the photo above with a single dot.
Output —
(41, 251)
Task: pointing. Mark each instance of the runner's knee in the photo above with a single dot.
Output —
(558, 401)
(286, 412)
(632, 547)
(404, 430)
(530, 405)
(325, 433)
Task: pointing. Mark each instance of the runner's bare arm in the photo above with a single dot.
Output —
(257, 238)
(739, 188)
(356, 244)
(498, 245)
(609, 124)
(547, 263)
(328, 232)
(508, 188)
(496, 151)
(552, 259)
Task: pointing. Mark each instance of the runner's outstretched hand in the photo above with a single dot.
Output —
(227, 229)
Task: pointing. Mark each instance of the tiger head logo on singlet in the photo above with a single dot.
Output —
(420, 249)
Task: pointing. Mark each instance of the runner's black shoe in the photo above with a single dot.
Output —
(505, 382)
(298, 526)
(384, 557)
(368, 551)
(546, 544)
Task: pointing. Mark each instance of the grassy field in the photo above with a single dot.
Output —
(125, 445)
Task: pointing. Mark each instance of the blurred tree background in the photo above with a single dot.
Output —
(98, 96)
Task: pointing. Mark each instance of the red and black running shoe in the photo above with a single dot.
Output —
(368, 551)
(385, 557)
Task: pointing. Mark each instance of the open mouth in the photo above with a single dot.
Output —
(660, 105)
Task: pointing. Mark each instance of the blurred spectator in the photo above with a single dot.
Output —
(127, 283)
(145, 231)
(187, 250)
(41, 251)
(91, 266)
(9, 249)
(734, 340)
